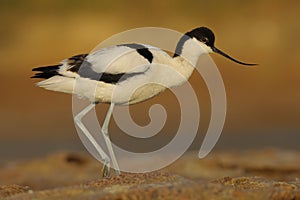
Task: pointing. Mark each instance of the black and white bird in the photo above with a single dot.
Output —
(125, 74)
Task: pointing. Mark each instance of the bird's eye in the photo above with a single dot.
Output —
(204, 40)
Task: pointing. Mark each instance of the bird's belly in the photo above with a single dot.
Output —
(127, 93)
(146, 92)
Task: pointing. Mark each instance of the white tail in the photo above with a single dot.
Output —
(58, 83)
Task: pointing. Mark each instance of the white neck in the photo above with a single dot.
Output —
(185, 59)
(192, 49)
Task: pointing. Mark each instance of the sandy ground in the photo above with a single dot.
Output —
(260, 174)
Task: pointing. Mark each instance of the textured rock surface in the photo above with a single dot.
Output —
(268, 163)
(265, 174)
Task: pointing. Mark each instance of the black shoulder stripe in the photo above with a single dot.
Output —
(146, 53)
(133, 46)
(86, 71)
(116, 78)
(142, 50)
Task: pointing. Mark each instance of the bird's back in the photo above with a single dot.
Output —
(122, 66)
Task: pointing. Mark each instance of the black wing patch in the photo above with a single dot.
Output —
(82, 67)
(76, 62)
(86, 71)
(46, 72)
(142, 50)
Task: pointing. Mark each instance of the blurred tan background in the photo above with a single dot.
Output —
(263, 102)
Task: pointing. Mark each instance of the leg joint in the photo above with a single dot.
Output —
(105, 131)
(78, 118)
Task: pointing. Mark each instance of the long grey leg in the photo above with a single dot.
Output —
(102, 154)
(107, 139)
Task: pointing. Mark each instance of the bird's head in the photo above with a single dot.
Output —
(206, 39)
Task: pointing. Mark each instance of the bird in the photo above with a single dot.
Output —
(126, 74)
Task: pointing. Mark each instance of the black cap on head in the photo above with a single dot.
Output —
(206, 36)
(203, 34)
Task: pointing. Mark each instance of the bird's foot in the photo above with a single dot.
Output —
(106, 170)
(117, 172)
